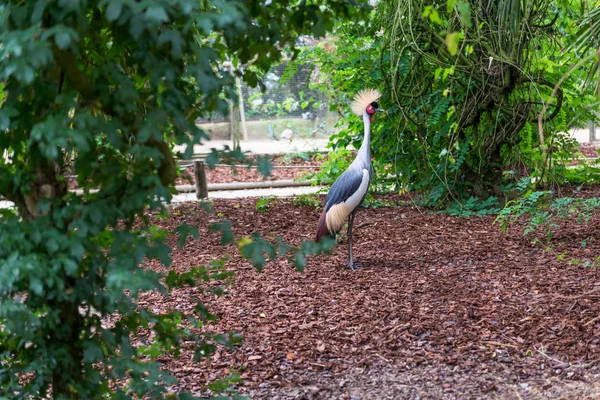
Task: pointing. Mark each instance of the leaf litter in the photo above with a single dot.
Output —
(285, 168)
(443, 308)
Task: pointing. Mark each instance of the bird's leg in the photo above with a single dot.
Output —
(353, 266)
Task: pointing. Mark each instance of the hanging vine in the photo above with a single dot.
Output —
(480, 59)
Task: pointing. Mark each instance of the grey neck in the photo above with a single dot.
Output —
(365, 148)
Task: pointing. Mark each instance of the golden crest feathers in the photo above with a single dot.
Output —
(363, 99)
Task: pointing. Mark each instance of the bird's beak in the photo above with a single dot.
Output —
(379, 110)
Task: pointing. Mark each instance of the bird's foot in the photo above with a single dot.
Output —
(354, 266)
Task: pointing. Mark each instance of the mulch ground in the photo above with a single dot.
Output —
(443, 308)
(284, 168)
(588, 150)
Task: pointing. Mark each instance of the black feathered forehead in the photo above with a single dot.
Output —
(372, 108)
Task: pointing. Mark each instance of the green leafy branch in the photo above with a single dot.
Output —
(540, 210)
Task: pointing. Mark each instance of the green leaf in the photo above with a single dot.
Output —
(225, 228)
(6, 113)
(38, 11)
(212, 159)
(255, 251)
(203, 313)
(148, 132)
(450, 5)
(300, 261)
(452, 41)
(71, 267)
(264, 165)
(77, 250)
(35, 285)
(156, 14)
(92, 352)
(113, 10)
(184, 231)
(136, 26)
(52, 246)
(206, 206)
(464, 10)
(435, 17)
(62, 39)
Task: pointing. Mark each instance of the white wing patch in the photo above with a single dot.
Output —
(338, 213)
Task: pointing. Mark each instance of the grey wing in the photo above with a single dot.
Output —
(344, 186)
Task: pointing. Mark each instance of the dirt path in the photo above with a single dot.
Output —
(445, 307)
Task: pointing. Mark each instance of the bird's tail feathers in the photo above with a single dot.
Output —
(322, 230)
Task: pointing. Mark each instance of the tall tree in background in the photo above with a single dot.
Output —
(103, 89)
(482, 71)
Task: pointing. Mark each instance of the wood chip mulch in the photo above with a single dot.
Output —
(227, 174)
(443, 308)
(589, 150)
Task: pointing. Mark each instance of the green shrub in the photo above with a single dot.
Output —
(307, 200)
(263, 204)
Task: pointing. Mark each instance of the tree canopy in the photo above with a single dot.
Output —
(103, 90)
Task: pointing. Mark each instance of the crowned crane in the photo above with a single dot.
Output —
(350, 188)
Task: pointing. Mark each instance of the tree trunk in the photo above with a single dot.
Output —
(487, 181)
(201, 182)
(69, 365)
(234, 124)
(69, 369)
(46, 185)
